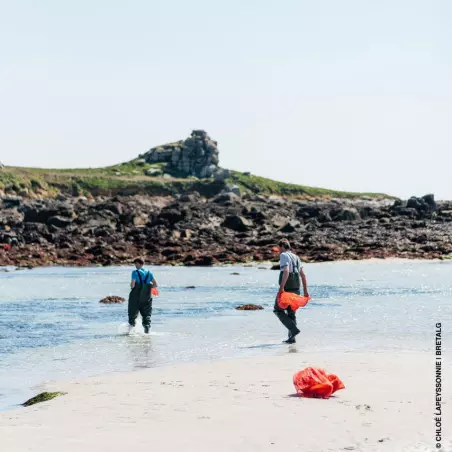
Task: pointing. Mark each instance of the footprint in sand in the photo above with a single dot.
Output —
(363, 407)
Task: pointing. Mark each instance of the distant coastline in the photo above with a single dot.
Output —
(227, 228)
(175, 205)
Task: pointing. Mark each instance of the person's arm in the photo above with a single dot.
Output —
(284, 279)
(304, 282)
(133, 282)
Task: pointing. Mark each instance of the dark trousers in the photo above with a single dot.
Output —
(140, 302)
(287, 316)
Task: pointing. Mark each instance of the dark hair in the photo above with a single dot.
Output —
(284, 243)
(138, 260)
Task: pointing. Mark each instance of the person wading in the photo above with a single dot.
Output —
(140, 298)
(291, 277)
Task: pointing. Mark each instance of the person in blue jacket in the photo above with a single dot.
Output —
(140, 298)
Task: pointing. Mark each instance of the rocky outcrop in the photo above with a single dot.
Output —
(195, 156)
(227, 228)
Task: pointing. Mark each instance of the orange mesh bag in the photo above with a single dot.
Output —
(155, 292)
(293, 300)
(315, 382)
(336, 382)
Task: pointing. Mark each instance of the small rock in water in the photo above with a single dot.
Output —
(249, 307)
(235, 273)
(191, 287)
(112, 300)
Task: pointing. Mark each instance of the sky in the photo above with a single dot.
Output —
(352, 94)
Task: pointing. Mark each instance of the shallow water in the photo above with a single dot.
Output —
(52, 326)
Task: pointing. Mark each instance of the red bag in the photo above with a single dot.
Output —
(315, 382)
(155, 292)
(286, 299)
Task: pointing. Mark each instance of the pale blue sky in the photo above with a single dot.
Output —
(346, 94)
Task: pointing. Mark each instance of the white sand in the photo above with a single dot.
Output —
(241, 405)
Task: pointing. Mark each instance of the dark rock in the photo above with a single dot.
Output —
(190, 197)
(221, 175)
(237, 223)
(291, 226)
(249, 307)
(204, 261)
(11, 201)
(227, 198)
(423, 206)
(346, 214)
(226, 229)
(114, 207)
(408, 212)
(112, 299)
(59, 222)
(414, 203)
(429, 201)
(41, 212)
(172, 216)
(97, 250)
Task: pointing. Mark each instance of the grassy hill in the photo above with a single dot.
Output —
(130, 178)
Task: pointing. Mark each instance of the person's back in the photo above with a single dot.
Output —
(294, 265)
(140, 298)
(143, 280)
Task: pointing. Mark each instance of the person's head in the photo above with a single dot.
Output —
(283, 245)
(138, 262)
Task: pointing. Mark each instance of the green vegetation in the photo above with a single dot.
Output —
(43, 397)
(132, 178)
(446, 257)
(257, 184)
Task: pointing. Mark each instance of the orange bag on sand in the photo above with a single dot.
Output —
(293, 300)
(155, 292)
(315, 382)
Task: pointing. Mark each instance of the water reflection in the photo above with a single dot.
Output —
(140, 349)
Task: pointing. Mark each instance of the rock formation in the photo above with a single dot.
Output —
(196, 156)
(191, 230)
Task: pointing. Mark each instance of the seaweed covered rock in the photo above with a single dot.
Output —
(43, 397)
(112, 300)
(249, 307)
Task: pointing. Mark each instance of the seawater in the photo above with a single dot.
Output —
(53, 327)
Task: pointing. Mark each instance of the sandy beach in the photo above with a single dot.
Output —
(245, 404)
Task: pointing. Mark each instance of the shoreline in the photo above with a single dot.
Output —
(257, 265)
(242, 404)
(224, 229)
